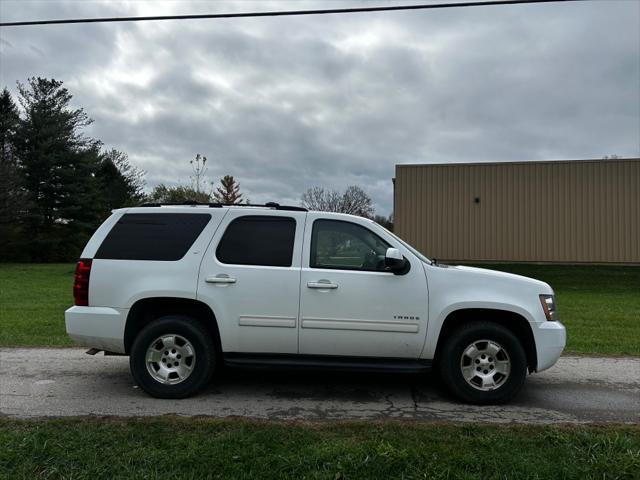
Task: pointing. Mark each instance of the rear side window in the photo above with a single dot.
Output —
(152, 236)
(258, 240)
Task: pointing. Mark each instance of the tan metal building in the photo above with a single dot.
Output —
(579, 211)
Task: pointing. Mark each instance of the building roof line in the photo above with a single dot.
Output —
(519, 162)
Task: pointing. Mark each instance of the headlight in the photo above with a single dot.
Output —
(549, 306)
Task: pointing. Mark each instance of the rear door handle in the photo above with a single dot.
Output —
(323, 284)
(219, 279)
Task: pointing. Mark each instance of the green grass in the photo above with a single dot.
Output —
(33, 298)
(208, 448)
(600, 305)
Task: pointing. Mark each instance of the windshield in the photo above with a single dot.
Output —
(406, 245)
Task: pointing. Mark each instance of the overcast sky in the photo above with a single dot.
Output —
(284, 104)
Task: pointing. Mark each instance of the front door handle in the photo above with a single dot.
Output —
(219, 279)
(323, 284)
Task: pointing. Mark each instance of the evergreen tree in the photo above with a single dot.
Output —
(58, 164)
(13, 198)
(120, 182)
(9, 119)
(228, 192)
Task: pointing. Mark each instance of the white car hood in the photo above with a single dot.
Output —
(495, 276)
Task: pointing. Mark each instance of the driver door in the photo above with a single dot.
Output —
(349, 304)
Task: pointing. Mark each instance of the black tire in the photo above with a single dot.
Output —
(204, 358)
(451, 354)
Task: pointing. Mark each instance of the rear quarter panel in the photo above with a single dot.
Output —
(121, 283)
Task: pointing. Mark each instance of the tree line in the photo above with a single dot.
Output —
(57, 184)
(227, 193)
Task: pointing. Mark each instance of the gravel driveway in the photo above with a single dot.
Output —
(38, 382)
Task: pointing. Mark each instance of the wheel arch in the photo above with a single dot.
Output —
(146, 310)
(510, 320)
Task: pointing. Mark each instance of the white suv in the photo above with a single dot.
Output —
(183, 289)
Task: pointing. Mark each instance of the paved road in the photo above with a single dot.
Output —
(63, 382)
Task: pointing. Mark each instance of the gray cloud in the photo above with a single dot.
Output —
(287, 103)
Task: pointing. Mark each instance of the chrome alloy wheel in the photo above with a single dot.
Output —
(170, 359)
(485, 365)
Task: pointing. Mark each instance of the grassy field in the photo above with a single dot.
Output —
(208, 448)
(33, 298)
(599, 305)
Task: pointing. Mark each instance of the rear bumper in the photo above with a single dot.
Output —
(551, 338)
(97, 327)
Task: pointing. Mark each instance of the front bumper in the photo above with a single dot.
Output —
(551, 338)
(97, 327)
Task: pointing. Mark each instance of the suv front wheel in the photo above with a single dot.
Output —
(483, 363)
(172, 357)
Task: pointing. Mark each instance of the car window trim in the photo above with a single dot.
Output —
(348, 269)
(255, 265)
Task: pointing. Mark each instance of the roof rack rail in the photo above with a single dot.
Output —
(274, 205)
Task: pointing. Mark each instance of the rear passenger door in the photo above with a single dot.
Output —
(250, 277)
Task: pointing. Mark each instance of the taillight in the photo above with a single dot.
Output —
(81, 282)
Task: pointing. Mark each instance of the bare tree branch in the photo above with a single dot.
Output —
(354, 201)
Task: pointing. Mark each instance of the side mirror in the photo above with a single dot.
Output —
(395, 262)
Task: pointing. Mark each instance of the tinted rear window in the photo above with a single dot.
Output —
(152, 236)
(258, 240)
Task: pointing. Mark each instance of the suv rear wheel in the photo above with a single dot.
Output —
(483, 363)
(172, 357)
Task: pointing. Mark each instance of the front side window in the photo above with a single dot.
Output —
(344, 245)
(258, 240)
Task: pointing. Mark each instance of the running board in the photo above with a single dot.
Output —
(325, 362)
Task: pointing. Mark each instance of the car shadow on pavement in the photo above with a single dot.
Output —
(327, 385)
